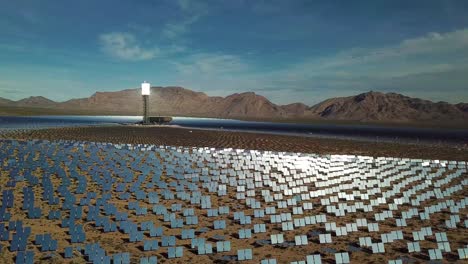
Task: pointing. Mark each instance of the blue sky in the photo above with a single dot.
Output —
(288, 51)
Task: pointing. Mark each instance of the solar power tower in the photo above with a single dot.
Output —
(145, 92)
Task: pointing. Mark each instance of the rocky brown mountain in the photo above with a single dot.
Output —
(178, 101)
(389, 107)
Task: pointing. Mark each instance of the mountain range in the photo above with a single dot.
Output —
(178, 101)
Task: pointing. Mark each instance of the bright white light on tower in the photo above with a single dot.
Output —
(145, 88)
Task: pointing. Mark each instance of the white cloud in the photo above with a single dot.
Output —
(184, 4)
(209, 64)
(215, 73)
(416, 66)
(175, 29)
(409, 67)
(421, 65)
(432, 44)
(432, 53)
(436, 42)
(192, 11)
(125, 46)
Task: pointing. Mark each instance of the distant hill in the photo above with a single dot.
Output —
(389, 107)
(463, 107)
(36, 101)
(178, 101)
(4, 101)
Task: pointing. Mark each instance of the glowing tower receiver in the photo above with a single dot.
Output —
(145, 92)
(145, 88)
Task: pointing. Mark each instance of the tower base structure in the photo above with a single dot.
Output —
(146, 109)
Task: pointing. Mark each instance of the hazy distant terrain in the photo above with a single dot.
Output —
(177, 101)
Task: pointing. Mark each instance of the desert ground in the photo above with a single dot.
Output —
(116, 169)
(172, 136)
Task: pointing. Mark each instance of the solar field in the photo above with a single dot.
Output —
(78, 202)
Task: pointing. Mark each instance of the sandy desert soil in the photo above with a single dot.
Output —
(243, 140)
(118, 242)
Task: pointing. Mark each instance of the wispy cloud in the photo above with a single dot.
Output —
(215, 73)
(430, 65)
(185, 5)
(125, 46)
(210, 64)
(366, 68)
(433, 44)
(192, 11)
(173, 30)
